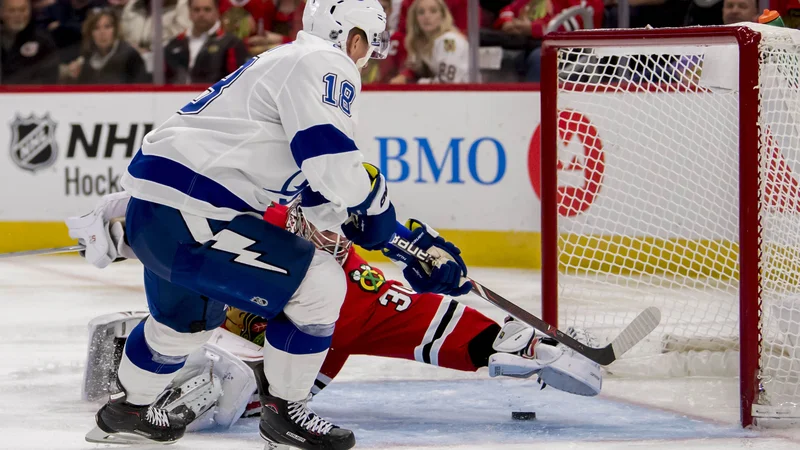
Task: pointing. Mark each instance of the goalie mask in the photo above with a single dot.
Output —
(328, 241)
(332, 20)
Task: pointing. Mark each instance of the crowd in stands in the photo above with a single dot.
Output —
(111, 41)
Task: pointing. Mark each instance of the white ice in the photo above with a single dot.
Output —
(46, 303)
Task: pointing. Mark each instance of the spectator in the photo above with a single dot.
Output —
(106, 59)
(704, 12)
(64, 20)
(238, 17)
(735, 11)
(437, 51)
(137, 25)
(27, 54)
(531, 17)
(383, 70)
(205, 53)
(263, 24)
(458, 11)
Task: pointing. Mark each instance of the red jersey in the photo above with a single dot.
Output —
(381, 317)
(265, 16)
(536, 12)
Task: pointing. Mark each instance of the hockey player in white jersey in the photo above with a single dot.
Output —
(280, 126)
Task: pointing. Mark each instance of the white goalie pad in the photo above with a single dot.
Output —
(224, 404)
(513, 337)
(107, 335)
(559, 367)
(199, 393)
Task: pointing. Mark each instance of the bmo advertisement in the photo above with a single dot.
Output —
(467, 162)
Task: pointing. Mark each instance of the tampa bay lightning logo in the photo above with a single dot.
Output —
(290, 188)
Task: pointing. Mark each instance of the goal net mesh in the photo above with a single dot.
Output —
(648, 209)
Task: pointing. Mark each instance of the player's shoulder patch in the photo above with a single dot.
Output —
(451, 41)
(367, 278)
(449, 45)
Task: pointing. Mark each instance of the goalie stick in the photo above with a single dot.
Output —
(637, 330)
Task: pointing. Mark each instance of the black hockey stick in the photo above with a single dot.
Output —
(637, 330)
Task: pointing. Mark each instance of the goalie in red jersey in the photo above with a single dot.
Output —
(379, 317)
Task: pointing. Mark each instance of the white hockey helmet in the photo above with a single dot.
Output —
(332, 20)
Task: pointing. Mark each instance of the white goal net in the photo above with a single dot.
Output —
(677, 184)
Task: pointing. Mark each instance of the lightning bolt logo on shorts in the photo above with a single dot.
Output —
(230, 242)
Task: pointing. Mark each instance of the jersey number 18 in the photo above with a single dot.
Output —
(347, 93)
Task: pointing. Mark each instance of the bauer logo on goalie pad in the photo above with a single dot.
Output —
(33, 142)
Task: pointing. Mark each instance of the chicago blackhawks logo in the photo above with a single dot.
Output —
(367, 278)
(33, 142)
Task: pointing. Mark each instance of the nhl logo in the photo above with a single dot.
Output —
(33, 142)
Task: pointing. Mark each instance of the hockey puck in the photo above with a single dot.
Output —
(523, 415)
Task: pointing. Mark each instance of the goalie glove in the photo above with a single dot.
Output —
(102, 231)
(448, 273)
(372, 223)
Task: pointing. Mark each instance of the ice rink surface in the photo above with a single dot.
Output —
(46, 303)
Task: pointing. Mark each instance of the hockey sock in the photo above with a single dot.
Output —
(480, 347)
(143, 372)
(153, 354)
(294, 357)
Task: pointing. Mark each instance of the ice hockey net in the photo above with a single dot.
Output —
(669, 177)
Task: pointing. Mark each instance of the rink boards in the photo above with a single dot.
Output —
(465, 161)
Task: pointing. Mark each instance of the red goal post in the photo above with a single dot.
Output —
(667, 158)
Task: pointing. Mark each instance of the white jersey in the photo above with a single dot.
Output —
(449, 59)
(280, 124)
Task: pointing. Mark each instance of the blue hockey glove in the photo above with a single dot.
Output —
(447, 276)
(372, 223)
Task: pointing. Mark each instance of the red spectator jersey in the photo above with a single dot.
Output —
(381, 317)
(265, 12)
(537, 12)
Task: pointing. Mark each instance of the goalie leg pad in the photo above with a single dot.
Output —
(517, 366)
(514, 337)
(573, 373)
(234, 380)
(557, 366)
(199, 393)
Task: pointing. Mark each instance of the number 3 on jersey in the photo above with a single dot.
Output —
(201, 101)
(347, 93)
(397, 295)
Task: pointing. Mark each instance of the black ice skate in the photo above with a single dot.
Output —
(292, 425)
(119, 422)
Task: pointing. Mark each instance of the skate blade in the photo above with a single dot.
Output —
(99, 436)
(271, 445)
